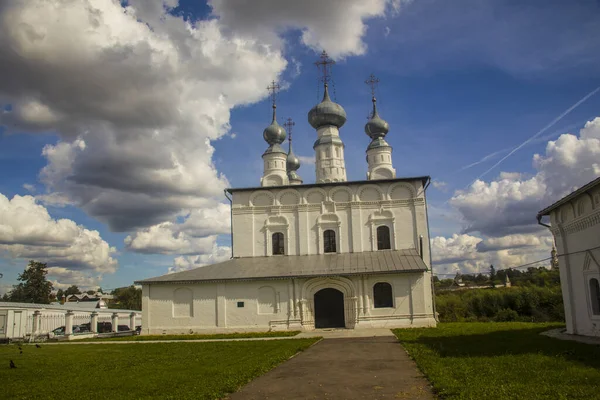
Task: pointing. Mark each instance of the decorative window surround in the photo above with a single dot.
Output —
(379, 218)
(276, 223)
(325, 222)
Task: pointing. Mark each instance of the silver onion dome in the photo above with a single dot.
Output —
(327, 113)
(274, 133)
(376, 127)
(292, 162)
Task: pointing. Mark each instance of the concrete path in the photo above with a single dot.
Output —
(345, 333)
(352, 368)
(561, 333)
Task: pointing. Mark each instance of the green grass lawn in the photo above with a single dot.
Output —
(135, 371)
(503, 361)
(239, 335)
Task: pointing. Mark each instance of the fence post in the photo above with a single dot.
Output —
(69, 323)
(37, 317)
(94, 322)
(115, 322)
(132, 321)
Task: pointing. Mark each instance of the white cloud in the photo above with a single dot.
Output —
(509, 204)
(470, 254)
(440, 185)
(196, 234)
(307, 160)
(63, 278)
(216, 255)
(27, 232)
(335, 25)
(29, 187)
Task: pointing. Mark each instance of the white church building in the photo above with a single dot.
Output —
(575, 223)
(333, 254)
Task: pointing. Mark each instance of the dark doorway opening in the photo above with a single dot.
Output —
(329, 309)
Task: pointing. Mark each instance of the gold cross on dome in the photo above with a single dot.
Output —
(289, 124)
(273, 88)
(324, 65)
(372, 81)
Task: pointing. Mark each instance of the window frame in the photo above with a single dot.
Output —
(389, 301)
(594, 297)
(278, 238)
(327, 240)
(386, 229)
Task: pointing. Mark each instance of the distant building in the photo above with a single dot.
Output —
(575, 224)
(333, 254)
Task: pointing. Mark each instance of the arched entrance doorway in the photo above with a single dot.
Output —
(329, 309)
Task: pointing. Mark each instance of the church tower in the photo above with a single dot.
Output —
(274, 158)
(379, 152)
(293, 162)
(327, 118)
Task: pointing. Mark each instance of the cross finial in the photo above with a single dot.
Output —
(273, 88)
(289, 124)
(372, 81)
(324, 65)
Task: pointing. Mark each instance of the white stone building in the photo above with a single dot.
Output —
(334, 254)
(575, 223)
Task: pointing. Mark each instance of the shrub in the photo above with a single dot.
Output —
(529, 303)
(506, 315)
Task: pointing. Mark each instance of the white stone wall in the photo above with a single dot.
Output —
(275, 172)
(329, 157)
(353, 211)
(380, 164)
(285, 304)
(576, 228)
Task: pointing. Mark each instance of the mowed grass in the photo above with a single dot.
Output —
(237, 335)
(134, 371)
(503, 361)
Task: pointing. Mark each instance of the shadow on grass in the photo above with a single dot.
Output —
(508, 342)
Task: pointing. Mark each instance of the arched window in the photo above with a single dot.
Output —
(383, 238)
(277, 242)
(382, 295)
(595, 296)
(329, 241)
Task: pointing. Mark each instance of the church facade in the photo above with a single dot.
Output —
(333, 254)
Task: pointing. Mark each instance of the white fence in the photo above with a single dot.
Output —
(25, 320)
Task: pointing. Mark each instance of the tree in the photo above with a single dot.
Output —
(34, 288)
(90, 292)
(59, 294)
(128, 298)
(72, 290)
(492, 275)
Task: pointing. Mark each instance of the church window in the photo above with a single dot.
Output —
(382, 157)
(278, 245)
(383, 238)
(337, 152)
(240, 304)
(595, 296)
(382, 295)
(329, 245)
(328, 153)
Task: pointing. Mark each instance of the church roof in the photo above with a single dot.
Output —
(281, 267)
(423, 179)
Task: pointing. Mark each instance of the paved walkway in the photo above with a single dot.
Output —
(352, 368)
(561, 333)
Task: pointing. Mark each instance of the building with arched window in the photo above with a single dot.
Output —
(575, 223)
(330, 254)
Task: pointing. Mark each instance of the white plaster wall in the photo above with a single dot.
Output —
(304, 211)
(576, 227)
(215, 304)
